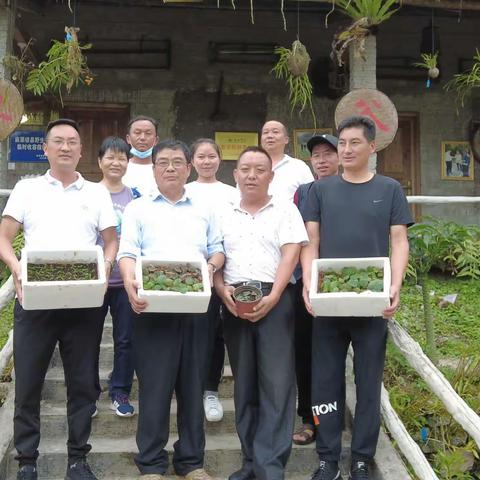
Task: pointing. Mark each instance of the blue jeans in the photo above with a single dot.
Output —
(122, 319)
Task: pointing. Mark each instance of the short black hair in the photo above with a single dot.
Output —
(116, 144)
(255, 149)
(200, 141)
(61, 121)
(139, 118)
(365, 123)
(173, 145)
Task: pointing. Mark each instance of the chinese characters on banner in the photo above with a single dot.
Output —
(26, 146)
(233, 143)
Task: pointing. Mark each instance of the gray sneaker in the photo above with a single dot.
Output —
(80, 470)
(327, 471)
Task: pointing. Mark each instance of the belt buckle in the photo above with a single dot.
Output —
(254, 283)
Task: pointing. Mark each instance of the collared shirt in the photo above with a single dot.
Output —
(156, 227)
(289, 174)
(253, 242)
(58, 217)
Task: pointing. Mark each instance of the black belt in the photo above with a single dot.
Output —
(254, 283)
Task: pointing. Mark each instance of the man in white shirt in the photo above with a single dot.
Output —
(142, 137)
(289, 172)
(262, 238)
(57, 210)
(170, 349)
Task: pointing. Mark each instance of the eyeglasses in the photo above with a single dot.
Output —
(176, 163)
(58, 142)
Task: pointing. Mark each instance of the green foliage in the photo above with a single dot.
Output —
(444, 245)
(64, 68)
(429, 60)
(18, 244)
(173, 278)
(463, 83)
(292, 66)
(6, 322)
(447, 446)
(351, 279)
(375, 11)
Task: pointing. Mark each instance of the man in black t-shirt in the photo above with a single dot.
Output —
(356, 214)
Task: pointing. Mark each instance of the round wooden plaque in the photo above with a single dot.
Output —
(11, 108)
(377, 106)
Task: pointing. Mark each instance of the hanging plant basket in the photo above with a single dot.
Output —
(292, 66)
(65, 67)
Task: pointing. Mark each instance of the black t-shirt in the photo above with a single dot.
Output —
(355, 218)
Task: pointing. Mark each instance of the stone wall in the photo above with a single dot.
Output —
(250, 94)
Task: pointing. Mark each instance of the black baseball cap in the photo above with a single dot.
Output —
(324, 138)
(62, 121)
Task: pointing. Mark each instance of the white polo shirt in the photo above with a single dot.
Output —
(289, 174)
(54, 217)
(252, 243)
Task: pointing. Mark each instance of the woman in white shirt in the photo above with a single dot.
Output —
(206, 158)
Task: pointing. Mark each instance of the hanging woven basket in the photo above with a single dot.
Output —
(299, 60)
(11, 108)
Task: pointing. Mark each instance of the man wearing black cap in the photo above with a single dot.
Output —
(324, 160)
(59, 210)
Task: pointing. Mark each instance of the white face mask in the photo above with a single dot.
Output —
(139, 154)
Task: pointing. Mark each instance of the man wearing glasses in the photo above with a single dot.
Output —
(169, 349)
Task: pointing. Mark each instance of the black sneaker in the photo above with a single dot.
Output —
(80, 470)
(327, 471)
(27, 472)
(359, 471)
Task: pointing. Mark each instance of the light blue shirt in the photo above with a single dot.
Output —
(153, 226)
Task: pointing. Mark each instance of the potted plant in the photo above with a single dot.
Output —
(246, 297)
(429, 63)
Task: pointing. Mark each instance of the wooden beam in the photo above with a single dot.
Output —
(473, 5)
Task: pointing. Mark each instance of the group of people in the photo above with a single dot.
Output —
(267, 230)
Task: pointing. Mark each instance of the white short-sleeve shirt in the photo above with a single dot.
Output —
(55, 217)
(253, 243)
(289, 174)
(140, 176)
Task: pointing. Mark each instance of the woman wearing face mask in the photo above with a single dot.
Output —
(206, 158)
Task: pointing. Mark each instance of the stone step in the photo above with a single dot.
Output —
(54, 387)
(113, 457)
(106, 423)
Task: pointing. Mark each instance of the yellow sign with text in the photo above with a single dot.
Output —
(233, 143)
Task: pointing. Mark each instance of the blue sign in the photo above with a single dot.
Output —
(27, 146)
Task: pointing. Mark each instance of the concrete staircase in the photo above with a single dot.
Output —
(113, 438)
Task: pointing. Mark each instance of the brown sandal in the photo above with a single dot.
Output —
(305, 434)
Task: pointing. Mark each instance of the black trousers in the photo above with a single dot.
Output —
(216, 346)
(303, 355)
(170, 355)
(262, 357)
(331, 338)
(36, 332)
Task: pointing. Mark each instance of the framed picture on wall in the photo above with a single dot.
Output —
(300, 138)
(457, 161)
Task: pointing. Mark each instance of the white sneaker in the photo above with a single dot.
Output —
(212, 406)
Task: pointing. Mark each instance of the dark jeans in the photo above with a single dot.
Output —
(216, 347)
(262, 357)
(121, 379)
(303, 355)
(170, 355)
(36, 332)
(331, 338)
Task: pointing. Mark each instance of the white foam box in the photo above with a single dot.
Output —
(174, 302)
(63, 294)
(350, 304)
